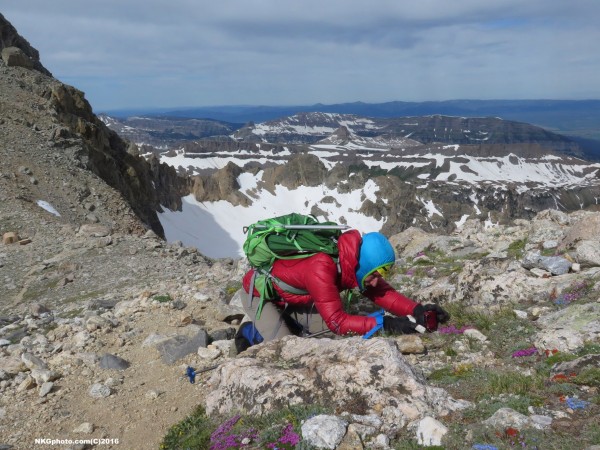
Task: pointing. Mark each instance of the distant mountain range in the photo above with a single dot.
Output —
(578, 119)
(431, 171)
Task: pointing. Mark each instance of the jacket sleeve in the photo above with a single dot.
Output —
(390, 299)
(322, 287)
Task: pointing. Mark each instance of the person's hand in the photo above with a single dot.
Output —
(442, 315)
(420, 311)
(399, 325)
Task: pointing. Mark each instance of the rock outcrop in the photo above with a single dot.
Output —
(10, 40)
(353, 375)
(50, 135)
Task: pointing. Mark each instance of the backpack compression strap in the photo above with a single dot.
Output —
(378, 315)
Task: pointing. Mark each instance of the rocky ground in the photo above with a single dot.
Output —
(71, 296)
(98, 327)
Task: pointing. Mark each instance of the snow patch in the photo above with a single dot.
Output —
(216, 228)
(430, 207)
(48, 207)
(462, 221)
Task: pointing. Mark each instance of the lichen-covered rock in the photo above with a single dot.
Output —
(352, 374)
(567, 329)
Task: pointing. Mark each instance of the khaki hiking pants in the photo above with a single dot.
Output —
(276, 322)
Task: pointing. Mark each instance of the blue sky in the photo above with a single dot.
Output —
(135, 54)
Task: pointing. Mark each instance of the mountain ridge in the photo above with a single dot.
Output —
(579, 118)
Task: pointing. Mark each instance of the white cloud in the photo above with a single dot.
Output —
(194, 53)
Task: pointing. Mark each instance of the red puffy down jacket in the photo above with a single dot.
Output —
(318, 275)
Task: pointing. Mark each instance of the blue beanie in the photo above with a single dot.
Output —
(375, 252)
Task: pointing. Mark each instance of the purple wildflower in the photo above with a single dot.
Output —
(222, 439)
(525, 352)
(560, 301)
(451, 329)
(288, 435)
(221, 432)
(484, 447)
(575, 292)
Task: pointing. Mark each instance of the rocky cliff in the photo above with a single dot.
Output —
(54, 149)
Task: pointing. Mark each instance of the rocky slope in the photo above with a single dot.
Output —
(98, 328)
(54, 149)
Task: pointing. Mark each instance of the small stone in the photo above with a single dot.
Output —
(85, 427)
(520, 314)
(410, 343)
(178, 304)
(430, 432)
(108, 361)
(541, 422)
(10, 238)
(540, 273)
(46, 388)
(201, 297)
(113, 382)
(26, 384)
(98, 390)
(209, 353)
(475, 334)
(37, 309)
(41, 376)
(153, 394)
(33, 362)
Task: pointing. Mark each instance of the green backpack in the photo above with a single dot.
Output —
(292, 236)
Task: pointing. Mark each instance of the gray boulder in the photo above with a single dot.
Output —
(556, 265)
(176, 347)
(568, 329)
(324, 431)
(587, 253)
(108, 361)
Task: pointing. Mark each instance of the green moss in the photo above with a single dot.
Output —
(517, 248)
(232, 287)
(72, 313)
(162, 298)
(80, 298)
(192, 432)
(450, 375)
(590, 376)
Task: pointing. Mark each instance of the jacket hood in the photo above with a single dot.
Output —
(375, 252)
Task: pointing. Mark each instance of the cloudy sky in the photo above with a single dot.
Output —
(133, 53)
